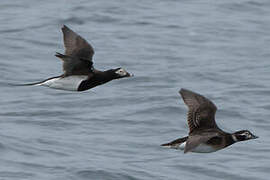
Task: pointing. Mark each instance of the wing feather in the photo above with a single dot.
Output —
(201, 111)
(78, 54)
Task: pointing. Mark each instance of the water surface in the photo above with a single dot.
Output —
(113, 132)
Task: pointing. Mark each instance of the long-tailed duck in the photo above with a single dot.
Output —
(204, 134)
(79, 72)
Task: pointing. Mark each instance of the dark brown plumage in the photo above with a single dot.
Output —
(77, 59)
(203, 129)
(201, 111)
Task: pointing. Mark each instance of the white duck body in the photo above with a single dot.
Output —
(69, 83)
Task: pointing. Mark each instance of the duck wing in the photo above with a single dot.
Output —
(77, 59)
(201, 111)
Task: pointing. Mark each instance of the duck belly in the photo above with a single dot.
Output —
(69, 83)
(202, 148)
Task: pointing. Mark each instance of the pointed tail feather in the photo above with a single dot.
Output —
(29, 84)
(166, 144)
(34, 83)
(176, 142)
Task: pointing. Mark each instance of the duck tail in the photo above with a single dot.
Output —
(176, 142)
(29, 84)
(39, 83)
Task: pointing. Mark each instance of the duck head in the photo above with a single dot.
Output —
(121, 73)
(243, 135)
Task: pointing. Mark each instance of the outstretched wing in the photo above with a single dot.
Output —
(201, 111)
(76, 46)
(78, 53)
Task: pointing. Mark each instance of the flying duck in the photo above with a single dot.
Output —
(79, 72)
(204, 134)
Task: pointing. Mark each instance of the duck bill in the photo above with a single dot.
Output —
(129, 75)
(254, 137)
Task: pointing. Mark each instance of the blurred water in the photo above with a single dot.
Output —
(113, 132)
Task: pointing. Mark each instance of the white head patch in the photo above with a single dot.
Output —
(234, 138)
(247, 134)
(121, 72)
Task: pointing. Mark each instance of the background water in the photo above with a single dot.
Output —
(113, 132)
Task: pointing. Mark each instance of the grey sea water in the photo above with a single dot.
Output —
(217, 48)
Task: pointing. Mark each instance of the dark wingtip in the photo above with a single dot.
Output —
(183, 90)
(65, 28)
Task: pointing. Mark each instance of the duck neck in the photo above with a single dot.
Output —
(230, 139)
(109, 75)
(97, 79)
